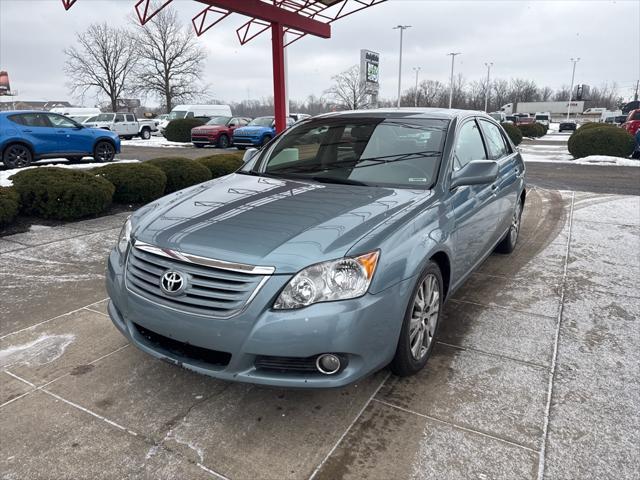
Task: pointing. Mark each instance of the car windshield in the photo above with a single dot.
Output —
(218, 121)
(394, 152)
(261, 122)
(104, 117)
(175, 115)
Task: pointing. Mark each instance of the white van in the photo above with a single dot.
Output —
(194, 111)
(543, 118)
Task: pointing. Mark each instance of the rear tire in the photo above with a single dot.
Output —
(145, 134)
(223, 141)
(420, 325)
(508, 243)
(104, 151)
(17, 155)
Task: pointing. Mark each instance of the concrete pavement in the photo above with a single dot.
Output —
(535, 374)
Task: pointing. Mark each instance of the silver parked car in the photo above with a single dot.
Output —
(328, 255)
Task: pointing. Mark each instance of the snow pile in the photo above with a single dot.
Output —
(606, 160)
(154, 141)
(6, 174)
(41, 351)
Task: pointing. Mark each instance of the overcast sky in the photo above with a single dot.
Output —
(528, 39)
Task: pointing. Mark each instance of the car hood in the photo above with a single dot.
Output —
(251, 130)
(270, 222)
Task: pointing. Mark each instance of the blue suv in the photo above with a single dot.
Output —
(26, 136)
(257, 133)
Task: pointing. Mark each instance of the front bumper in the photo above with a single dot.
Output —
(247, 141)
(365, 331)
(204, 139)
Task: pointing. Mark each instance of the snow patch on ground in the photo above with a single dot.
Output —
(6, 174)
(45, 349)
(537, 151)
(606, 160)
(156, 142)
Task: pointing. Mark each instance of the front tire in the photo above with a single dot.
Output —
(17, 156)
(421, 321)
(223, 141)
(145, 134)
(508, 243)
(104, 151)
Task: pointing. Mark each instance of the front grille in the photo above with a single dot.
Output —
(286, 364)
(183, 350)
(209, 291)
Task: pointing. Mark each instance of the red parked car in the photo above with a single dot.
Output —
(632, 125)
(217, 131)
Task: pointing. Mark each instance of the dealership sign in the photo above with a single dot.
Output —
(370, 70)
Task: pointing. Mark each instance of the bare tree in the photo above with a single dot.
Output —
(103, 61)
(348, 90)
(170, 60)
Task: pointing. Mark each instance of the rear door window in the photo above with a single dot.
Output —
(469, 145)
(496, 143)
(119, 118)
(32, 119)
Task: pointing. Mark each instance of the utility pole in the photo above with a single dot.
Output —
(488, 87)
(635, 97)
(417, 70)
(402, 28)
(453, 57)
(573, 75)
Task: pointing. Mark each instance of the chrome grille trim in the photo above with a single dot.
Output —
(207, 262)
(211, 291)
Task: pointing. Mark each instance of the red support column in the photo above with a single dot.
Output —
(279, 94)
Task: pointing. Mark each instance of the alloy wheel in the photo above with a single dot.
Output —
(18, 156)
(104, 152)
(515, 223)
(424, 317)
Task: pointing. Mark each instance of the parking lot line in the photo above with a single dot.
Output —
(458, 300)
(459, 427)
(344, 434)
(208, 470)
(50, 319)
(554, 356)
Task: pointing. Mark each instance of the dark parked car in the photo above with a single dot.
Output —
(567, 125)
(328, 255)
(26, 136)
(217, 131)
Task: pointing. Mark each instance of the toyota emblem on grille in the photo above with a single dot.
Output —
(172, 283)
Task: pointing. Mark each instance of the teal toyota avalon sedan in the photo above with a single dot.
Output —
(328, 255)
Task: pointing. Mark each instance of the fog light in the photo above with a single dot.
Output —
(328, 363)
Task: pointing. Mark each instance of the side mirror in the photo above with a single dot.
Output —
(249, 154)
(476, 172)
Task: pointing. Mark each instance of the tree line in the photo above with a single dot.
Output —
(163, 60)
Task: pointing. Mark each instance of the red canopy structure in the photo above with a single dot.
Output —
(296, 18)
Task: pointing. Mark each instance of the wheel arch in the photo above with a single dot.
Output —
(441, 259)
(18, 141)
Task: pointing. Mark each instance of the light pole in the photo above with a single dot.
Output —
(402, 28)
(573, 75)
(488, 87)
(417, 70)
(453, 57)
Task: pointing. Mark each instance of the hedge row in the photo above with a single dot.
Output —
(65, 194)
(601, 140)
(533, 130)
(180, 130)
(514, 133)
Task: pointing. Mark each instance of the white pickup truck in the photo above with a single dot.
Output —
(126, 125)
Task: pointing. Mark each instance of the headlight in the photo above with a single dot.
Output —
(124, 237)
(340, 279)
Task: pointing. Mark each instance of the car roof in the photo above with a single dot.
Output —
(13, 112)
(431, 113)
